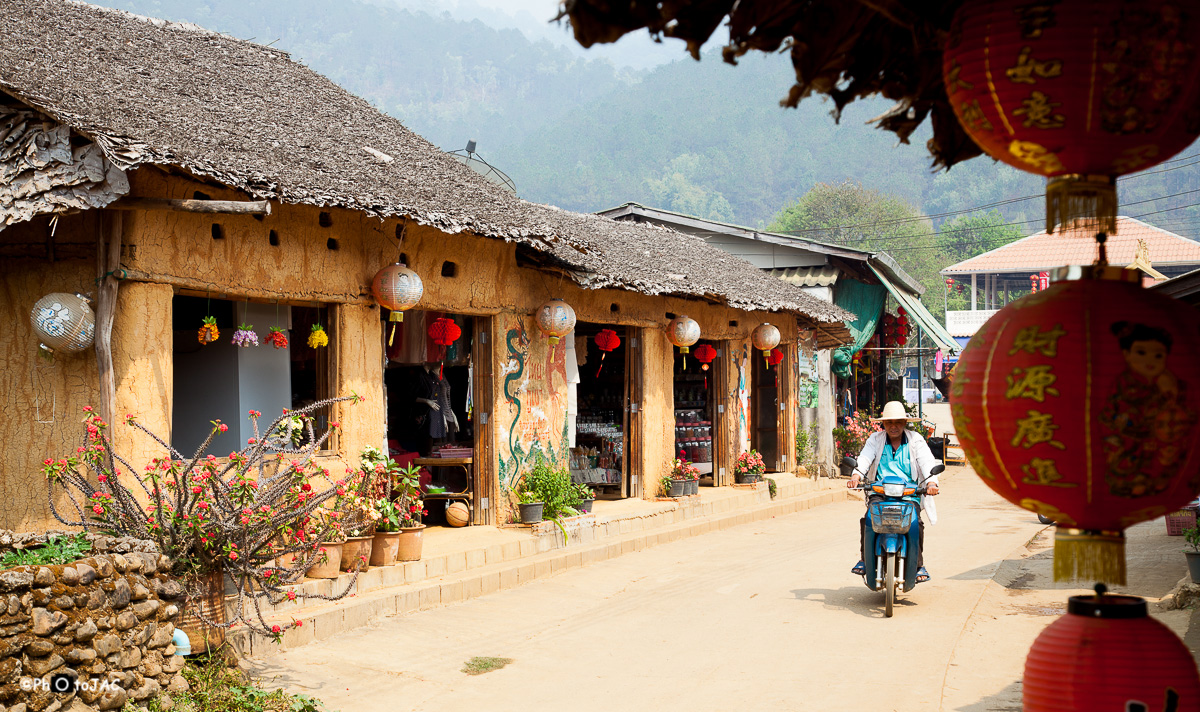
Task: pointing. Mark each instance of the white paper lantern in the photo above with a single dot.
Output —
(64, 322)
(683, 331)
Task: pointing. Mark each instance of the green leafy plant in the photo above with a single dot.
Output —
(528, 497)
(56, 550)
(554, 489)
(664, 486)
(478, 665)
(214, 687)
(772, 487)
(585, 492)
(1192, 537)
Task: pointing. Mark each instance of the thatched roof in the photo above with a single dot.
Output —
(846, 49)
(150, 92)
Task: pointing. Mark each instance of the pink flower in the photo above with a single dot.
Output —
(196, 489)
(102, 478)
(223, 427)
(203, 505)
(48, 462)
(275, 629)
(233, 556)
(251, 441)
(98, 509)
(87, 409)
(335, 424)
(291, 595)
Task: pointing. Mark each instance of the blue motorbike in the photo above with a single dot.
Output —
(891, 542)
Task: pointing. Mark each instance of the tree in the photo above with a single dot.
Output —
(677, 191)
(854, 216)
(968, 235)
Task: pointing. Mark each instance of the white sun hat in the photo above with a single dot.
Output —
(893, 410)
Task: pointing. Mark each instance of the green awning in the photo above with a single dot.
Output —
(917, 311)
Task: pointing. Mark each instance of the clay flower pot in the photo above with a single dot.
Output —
(354, 548)
(384, 548)
(409, 545)
(326, 567)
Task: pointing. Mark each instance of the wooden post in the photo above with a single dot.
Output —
(108, 259)
(230, 207)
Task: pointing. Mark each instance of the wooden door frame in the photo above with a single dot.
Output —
(725, 427)
(484, 461)
(634, 404)
(755, 388)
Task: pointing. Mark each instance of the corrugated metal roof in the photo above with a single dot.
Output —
(807, 276)
(1077, 246)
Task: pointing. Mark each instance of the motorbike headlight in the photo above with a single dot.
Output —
(893, 490)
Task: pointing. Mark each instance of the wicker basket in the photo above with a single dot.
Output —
(210, 603)
(1178, 521)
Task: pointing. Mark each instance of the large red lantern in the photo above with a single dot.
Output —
(606, 341)
(1079, 91)
(1080, 403)
(444, 332)
(1107, 654)
(705, 355)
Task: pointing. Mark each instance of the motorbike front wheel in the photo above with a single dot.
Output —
(889, 584)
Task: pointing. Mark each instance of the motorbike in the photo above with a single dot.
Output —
(891, 545)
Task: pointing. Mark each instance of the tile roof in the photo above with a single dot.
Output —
(1077, 246)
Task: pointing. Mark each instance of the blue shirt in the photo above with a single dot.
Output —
(896, 461)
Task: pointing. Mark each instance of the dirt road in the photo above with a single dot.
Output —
(763, 615)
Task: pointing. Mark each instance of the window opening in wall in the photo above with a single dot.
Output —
(324, 219)
(614, 308)
(218, 232)
(331, 243)
(200, 196)
(449, 269)
(220, 381)
(419, 374)
(733, 323)
(600, 427)
(273, 238)
(670, 315)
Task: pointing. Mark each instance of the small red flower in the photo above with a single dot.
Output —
(223, 427)
(196, 489)
(98, 509)
(275, 629)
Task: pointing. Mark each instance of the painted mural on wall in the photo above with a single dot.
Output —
(533, 415)
(743, 399)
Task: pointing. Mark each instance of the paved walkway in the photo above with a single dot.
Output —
(763, 614)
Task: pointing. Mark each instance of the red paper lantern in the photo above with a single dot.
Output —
(1079, 91)
(1080, 402)
(949, 283)
(606, 341)
(901, 311)
(775, 357)
(960, 288)
(705, 354)
(888, 319)
(902, 320)
(902, 339)
(444, 332)
(1107, 654)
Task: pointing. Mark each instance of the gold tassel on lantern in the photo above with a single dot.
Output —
(1091, 198)
(1088, 555)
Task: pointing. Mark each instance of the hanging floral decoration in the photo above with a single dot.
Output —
(277, 338)
(208, 330)
(318, 337)
(606, 341)
(245, 336)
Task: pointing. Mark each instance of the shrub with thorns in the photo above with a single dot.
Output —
(256, 516)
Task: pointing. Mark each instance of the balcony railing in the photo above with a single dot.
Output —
(966, 323)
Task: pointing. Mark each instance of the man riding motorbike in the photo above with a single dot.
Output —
(896, 450)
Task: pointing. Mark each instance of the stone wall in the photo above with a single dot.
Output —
(103, 619)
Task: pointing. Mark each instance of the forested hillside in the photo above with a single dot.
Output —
(702, 138)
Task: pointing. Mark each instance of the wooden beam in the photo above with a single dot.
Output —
(232, 207)
(108, 260)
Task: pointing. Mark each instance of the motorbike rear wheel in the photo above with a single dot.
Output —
(889, 584)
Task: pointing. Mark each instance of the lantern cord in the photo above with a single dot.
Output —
(1089, 555)
(602, 355)
(1102, 259)
(392, 335)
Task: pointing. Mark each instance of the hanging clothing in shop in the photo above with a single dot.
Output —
(442, 422)
(572, 371)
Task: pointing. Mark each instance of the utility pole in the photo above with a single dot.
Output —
(920, 376)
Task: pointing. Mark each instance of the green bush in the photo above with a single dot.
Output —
(553, 487)
(56, 550)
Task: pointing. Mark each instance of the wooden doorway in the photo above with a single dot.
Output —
(764, 410)
(483, 460)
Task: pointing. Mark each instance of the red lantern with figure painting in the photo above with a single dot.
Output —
(1108, 654)
(1082, 403)
(606, 341)
(1079, 91)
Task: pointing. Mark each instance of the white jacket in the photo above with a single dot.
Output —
(920, 455)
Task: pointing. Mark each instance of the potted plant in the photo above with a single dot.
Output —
(327, 544)
(359, 518)
(385, 546)
(406, 487)
(1192, 537)
(248, 517)
(749, 467)
(666, 484)
(684, 475)
(529, 506)
(586, 497)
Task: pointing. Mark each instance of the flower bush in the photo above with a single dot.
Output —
(849, 440)
(749, 463)
(681, 469)
(397, 490)
(246, 514)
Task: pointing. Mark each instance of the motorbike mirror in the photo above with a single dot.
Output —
(849, 461)
(937, 469)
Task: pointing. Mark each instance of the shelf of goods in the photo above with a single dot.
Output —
(596, 459)
(693, 438)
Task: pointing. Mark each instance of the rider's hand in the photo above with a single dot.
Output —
(931, 488)
(854, 480)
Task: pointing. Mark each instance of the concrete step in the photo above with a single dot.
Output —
(454, 577)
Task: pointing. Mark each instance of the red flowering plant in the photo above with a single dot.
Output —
(749, 463)
(397, 493)
(681, 469)
(850, 439)
(255, 515)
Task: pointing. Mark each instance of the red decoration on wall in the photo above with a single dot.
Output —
(1082, 402)
(444, 332)
(775, 357)
(1080, 91)
(606, 341)
(1107, 654)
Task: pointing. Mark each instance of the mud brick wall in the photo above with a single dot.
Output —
(104, 618)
